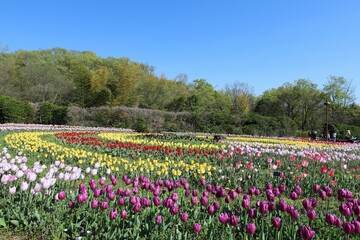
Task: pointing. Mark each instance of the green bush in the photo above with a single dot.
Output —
(52, 114)
(15, 111)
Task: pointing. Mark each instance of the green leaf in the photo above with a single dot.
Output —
(2, 222)
(15, 222)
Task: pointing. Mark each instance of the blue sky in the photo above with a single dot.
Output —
(259, 42)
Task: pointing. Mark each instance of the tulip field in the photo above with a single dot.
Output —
(62, 182)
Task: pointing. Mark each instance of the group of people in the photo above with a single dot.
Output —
(327, 136)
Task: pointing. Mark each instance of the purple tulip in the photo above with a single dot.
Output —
(227, 199)
(313, 202)
(294, 195)
(71, 205)
(194, 200)
(136, 207)
(239, 189)
(223, 218)
(271, 206)
(123, 214)
(270, 195)
(202, 182)
(121, 201)
(195, 193)
(330, 218)
(61, 195)
(348, 228)
(298, 190)
(282, 188)
(113, 214)
(322, 194)
(110, 195)
(232, 194)
(209, 188)
(233, 220)
(211, 209)
(307, 233)
(250, 228)
(276, 191)
(356, 224)
(283, 205)
(316, 188)
(104, 205)
(174, 196)
(345, 210)
(174, 209)
(311, 214)
(216, 205)
(187, 193)
(245, 202)
(94, 204)
(294, 214)
(204, 201)
(197, 228)
(263, 208)
(252, 213)
(156, 201)
(338, 222)
(307, 204)
(184, 217)
(276, 222)
(158, 219)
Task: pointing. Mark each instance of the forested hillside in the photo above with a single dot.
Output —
(59, 86)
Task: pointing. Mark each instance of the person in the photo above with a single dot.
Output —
(334, 136)
(348, 135)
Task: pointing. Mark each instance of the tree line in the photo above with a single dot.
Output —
(57, 80)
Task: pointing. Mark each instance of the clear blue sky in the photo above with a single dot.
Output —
(259, 42)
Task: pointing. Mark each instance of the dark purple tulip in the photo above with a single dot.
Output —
(195, 192)
(103, 190)
(330, 218)
(223, 217)
(97, 193)
(294, 195)
(124, 177)
(109, 188)
(134, 200)
(283, 205)
(268, 186)
(174, 196)
(204, 201)
(128, 182)
(123, 214)
(356, 223)
(145, 202)
(257, 192)
(110, 195)
(113, 214)
(282, 188)
(71, 205)
(127, 192)
(338, 222)
(135, 190)
(307, 233)
(209, 188)
(298, 190)
(307, 204)
(202, 182)
(349, 194)
(81, 187)
(276, 191)
(121, 201)
(92, 185)
(216, 205)
(239, 189)
(263, 208)
(356, 209)
(61, 195)
(311, 214)
(168, 202)
(197, 228)
(294, 214)
(322, 194)
(136, 207)
(250, 228)
(348, 228)
(270, 195)
(221, 193)
(252, 190)
(234, 220)
(252, 213)
(232, 194)
(328, 190)
(345, 210)
(94, 204)
(341, 194)
(313, 202)
(174, 209)
(211, 209)
(158, 219)
(187, 193)
(104, 205)
(184, 217)
(271, 206)
(102, 181)
(245, 202)
(276, 222)
(119, 191)
(206, 194)
(156, 191)
(227, 199)
(194, 200)
(112, 178)
(156, 201)
(316, 188)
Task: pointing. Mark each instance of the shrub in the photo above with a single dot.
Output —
(15, 111)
